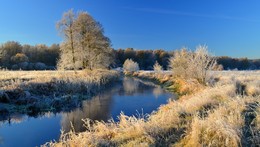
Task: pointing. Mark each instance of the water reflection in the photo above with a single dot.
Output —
(96, 109)
(157, 91)
(130, 95)
(130, 86)
(11, 119)
(1, 140)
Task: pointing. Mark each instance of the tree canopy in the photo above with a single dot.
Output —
(85, 46)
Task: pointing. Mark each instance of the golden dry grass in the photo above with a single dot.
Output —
(35, 91)
(10, 79)
(213, 116)
(222, 127)
(178, 85)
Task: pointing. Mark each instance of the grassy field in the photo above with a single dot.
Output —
(225, 112)
(37, 91)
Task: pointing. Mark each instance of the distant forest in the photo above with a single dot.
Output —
(15, 56)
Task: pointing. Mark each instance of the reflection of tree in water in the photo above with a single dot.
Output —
(130, 85)
(97, 108)
(157, 91)
(1, 140)
(135, 85)
(14, 118)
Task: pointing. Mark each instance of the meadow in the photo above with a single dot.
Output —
(33, 92)
(224, 112)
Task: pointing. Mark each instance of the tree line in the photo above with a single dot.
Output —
(145, 58)
(229, 63)
(15, 56)
(85, 46)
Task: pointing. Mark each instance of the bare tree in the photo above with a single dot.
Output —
(82, 23)
(96, 50)
(85, 38)
(179, 63)
(202, 63)
(66, 27)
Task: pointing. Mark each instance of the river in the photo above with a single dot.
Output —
(131, 96)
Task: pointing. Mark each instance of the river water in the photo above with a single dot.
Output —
(130, 96)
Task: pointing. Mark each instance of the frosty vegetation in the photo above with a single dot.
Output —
(225, 114)
(130, 66)
(15, 56)
(157, 67)
(192, 65)
(84, 46)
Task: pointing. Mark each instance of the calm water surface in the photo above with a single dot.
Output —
(131, 96)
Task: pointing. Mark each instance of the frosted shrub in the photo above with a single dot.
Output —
(179, 63)
(130, 66)
(157, 67)
(192, 65)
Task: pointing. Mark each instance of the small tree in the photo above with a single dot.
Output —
(7, 50)
(130, 66)
(202, 63)
(192, 65)
(19, 57)
(179, 63)
(157, 67)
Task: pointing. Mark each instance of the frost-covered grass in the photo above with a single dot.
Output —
(10, 80)
(224, 113)
(36, 91)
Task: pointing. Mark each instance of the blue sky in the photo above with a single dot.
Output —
(227, 27)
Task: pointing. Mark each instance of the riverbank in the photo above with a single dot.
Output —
(168, 82)
(224, 113)
(35, 92)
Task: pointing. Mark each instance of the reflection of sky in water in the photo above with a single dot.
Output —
(30, 132)
(131, 96)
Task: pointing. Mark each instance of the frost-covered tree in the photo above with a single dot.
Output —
(7, 50)
(130, 66)
(204, 63)
(85, 43)
(157, 67)
(66, 27)
(19, 57)
(179, 63)
(96, 50)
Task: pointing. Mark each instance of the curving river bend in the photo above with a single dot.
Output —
(131, 96)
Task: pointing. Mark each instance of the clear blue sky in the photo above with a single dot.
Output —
(227, 27)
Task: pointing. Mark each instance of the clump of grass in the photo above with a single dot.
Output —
(255, 124)
(253, 88)
(222, 127)
(176, 85)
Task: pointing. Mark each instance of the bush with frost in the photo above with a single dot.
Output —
(157, 67)
(130, 66)
(192, 65)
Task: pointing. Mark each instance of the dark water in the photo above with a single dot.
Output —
(131, 96)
